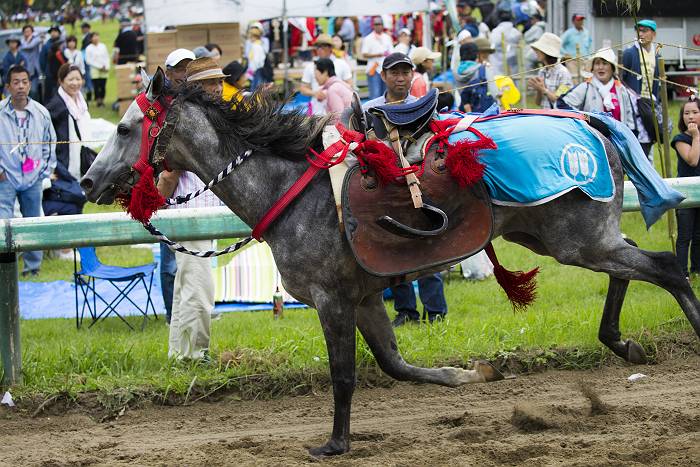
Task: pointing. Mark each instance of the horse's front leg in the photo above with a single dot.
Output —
(337, 316)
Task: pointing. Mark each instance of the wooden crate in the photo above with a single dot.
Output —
(162, 40)
(157, 56)
(123, 106)
(190, 38)
(128, 80)
(224, 33)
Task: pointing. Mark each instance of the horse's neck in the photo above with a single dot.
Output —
(253, 187)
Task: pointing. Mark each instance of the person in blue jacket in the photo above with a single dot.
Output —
(12, 57)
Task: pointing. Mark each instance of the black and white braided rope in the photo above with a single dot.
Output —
(200, 254)
(223, 174)
(185, 198)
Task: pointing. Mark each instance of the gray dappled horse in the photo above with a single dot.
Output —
(315, 260)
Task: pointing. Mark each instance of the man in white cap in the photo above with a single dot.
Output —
(176, 66)
(176, 73)
(193, 293)
(404, 45)
(309, 84)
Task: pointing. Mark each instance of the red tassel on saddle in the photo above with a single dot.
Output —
(519, 286)
(381, 159)
(463, 159)
(145, 199)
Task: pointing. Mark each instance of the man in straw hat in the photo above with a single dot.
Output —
(193, 294)
(554, 80)
(206, 72)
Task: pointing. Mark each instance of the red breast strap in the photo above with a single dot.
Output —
(324, 160)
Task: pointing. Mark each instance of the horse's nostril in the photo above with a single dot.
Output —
(87, 185)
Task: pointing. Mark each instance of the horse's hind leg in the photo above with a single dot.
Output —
(624, 262)
(609, 332)
(375, 326)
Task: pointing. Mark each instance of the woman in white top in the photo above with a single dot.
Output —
(97, 57)
(404, 45)
(73, 54)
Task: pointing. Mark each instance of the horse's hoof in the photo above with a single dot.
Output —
(488, 371)
(331, 448)
(635, 353)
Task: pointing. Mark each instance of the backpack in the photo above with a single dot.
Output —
(478, 96)
(267, 71)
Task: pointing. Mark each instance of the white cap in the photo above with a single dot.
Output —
(421, 54)
(405, 31)
(463, 34)
(178, 55)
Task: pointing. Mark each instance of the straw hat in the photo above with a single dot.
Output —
(421, 54)
(323, 39)
(204, 68)
(484, 45)
(548, 44)
(606, 54)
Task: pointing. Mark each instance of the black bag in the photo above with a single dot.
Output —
(66, 191)
(87, 155)
(646, 114)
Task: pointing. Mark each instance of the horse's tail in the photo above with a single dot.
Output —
(519, 286)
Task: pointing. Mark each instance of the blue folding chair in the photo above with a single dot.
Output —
(91, 269)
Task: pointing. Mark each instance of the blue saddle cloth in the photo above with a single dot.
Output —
(540, 158)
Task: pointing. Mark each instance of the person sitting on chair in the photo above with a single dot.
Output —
(397, 72)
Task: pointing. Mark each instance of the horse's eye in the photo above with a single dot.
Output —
(123, 130)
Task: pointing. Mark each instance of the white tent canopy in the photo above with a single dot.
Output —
(161, 13)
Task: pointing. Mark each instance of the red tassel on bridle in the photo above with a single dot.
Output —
(144, 198)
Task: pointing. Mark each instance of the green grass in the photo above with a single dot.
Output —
(289, 356)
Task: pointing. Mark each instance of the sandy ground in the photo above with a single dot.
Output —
(582, 418)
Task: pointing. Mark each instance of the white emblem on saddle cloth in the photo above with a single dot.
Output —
(578, 164)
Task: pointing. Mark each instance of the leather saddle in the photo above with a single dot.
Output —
(376, 219)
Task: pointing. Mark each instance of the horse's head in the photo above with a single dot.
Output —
(113, 171)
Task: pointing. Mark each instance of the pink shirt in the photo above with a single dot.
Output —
(338, 96)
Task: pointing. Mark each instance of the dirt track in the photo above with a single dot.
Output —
(654, 421)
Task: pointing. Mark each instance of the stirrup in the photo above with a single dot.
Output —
(437, 217)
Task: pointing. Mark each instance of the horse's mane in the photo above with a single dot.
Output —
(258, 121)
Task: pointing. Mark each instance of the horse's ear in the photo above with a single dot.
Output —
(145, 79)
(157, 84)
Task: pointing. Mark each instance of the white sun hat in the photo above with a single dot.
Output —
(548, 44)
(606, 54)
